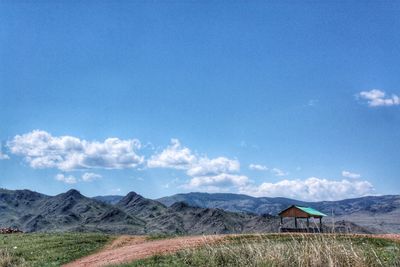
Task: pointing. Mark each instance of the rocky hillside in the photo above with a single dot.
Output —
(182, 218)
(70, 211)
(134, 214)
(112, 199)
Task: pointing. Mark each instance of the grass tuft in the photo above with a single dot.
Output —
(7, 259)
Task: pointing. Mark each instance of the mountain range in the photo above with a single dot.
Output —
(380, 213)
(193, 213)
(133, 214)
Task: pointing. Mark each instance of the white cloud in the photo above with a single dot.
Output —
(205, 166)
(258, 167)
(42, 150)
(377, 98)
(223, 180)
(278, 172)
(89, 176)
(206, 174)
(352, 175)
(70, 179)
(66, 179)
(311, 189)
(174, 156)
(274, 171)
(3, 156)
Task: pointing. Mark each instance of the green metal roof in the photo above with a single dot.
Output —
(311, 211)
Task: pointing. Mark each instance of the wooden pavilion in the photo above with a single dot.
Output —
(298, 212)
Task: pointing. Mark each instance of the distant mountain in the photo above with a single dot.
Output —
(112, 199)
(181, 218)
(133, 214)
(232, 202)
(70, 211)
(380, 213)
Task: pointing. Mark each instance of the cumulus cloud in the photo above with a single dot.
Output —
(278, 172)
(66, 179)
(89, 176)
(274, 171)
(215, 175)
(206, 174)
(70, 179)
(174, 156)
(42, 150)
(311, 189)
(204, 166)
(224, 180)
(257, 167)
(377, 98)
(352, 175)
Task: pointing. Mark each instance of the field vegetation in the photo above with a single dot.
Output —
(238, 250)
(47, 249)
(285, 250)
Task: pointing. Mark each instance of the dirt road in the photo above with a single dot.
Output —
(126, 249)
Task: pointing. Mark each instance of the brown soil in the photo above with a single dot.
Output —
(126, 240)
(395, 237)
(126, 249)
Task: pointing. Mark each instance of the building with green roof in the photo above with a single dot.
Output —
(298, 212)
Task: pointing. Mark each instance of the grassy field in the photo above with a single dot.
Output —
(240, 250)
(47, 249)
(285, 250)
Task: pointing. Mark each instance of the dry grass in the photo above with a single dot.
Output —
(7, 259)
(294, 250)
(287, 250)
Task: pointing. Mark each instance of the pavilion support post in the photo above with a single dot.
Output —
(308, 224)
(295, 222)
(281, 220)
(320, 224)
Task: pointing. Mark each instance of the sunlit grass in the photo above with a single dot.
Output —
(47, 249)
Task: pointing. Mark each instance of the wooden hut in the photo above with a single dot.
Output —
(298, 212)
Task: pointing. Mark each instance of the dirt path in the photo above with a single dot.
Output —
(126, 249)
(395, 237)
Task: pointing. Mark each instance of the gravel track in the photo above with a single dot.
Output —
(126, 249)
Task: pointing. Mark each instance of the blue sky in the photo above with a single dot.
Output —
(268, 98)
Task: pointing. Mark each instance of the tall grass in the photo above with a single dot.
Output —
(286, 250)
(294, 250)
(7, 259)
